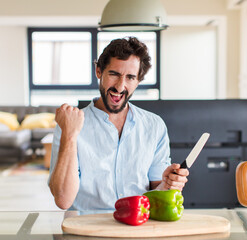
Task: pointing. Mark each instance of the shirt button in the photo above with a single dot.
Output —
(120, 194)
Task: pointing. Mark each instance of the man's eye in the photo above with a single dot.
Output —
(113, 75)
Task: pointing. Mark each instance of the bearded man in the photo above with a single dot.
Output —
(112, 149)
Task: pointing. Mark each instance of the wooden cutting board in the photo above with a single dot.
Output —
(104, 225)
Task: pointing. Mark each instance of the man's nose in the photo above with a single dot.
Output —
(120, 85)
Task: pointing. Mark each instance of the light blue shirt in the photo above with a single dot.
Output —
(110, 168)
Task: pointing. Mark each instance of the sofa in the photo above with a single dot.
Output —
(21, 130)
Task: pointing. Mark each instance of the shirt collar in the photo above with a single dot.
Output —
(130, 115)
(97, 111)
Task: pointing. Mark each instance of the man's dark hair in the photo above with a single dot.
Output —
(122, 49)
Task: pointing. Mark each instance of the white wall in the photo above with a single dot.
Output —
(243, 53)
(189, 63)
(13, 66)
(51, 7)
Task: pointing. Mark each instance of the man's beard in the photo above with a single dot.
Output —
(104, 98)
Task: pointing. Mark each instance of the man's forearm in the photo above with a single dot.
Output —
(64, 183)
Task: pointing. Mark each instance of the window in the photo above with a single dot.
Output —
(61, 58)
(61, 65)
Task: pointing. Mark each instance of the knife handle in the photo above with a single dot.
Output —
(183, 164)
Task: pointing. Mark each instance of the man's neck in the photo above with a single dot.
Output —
(118, 119)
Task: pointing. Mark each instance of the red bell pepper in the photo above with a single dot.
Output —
(132, 210)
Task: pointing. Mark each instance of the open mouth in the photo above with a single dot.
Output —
(115, 97)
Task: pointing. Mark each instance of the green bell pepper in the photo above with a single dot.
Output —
(165, 205)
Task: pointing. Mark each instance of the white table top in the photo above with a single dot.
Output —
(47, 225)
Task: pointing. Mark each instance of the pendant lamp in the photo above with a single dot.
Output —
(133, 15)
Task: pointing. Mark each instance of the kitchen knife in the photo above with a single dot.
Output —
(187, 163)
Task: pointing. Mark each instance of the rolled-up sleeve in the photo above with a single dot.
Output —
(161, 159)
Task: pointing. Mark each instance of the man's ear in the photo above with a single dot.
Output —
(98, 72)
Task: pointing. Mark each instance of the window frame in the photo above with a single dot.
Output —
(94, 83)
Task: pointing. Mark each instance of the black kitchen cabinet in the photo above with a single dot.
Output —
(212, 176)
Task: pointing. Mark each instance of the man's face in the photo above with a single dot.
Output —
(118, 82)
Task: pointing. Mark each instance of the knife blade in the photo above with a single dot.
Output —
(187, 163)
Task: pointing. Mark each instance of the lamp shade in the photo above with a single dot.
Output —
(133, 15)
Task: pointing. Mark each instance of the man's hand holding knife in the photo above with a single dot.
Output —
(175, 176)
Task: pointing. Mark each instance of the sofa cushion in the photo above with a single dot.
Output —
(39, 120)
(10, 120)
(39, 133)
(20, 111)
(14, 138)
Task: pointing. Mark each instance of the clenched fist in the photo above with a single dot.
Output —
(70, 120)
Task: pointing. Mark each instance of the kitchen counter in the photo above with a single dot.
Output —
(47, 225)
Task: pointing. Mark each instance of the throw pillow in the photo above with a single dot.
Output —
(10, 120)
(39, 120)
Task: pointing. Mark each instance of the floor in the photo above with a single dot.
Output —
(25, 192)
